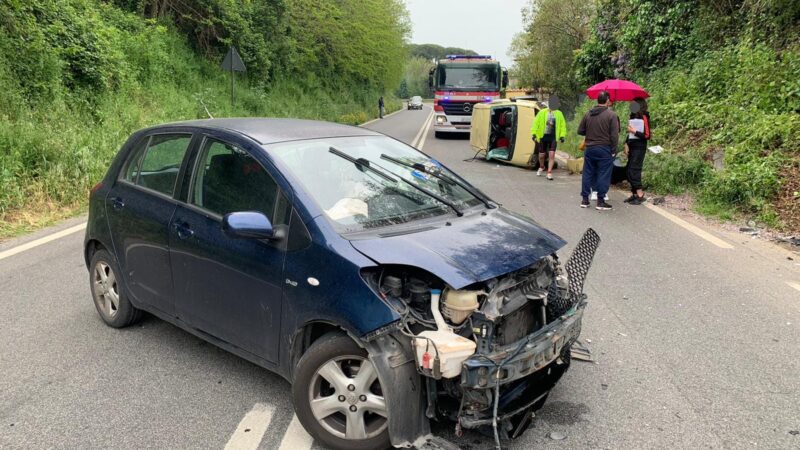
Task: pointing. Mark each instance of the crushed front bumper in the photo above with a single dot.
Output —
(526, 356)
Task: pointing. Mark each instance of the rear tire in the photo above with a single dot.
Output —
(338, 377)
(110, 299)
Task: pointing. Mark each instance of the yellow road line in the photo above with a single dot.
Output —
(689, 227)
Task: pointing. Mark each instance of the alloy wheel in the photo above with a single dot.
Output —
(347, 400)
(106, 290)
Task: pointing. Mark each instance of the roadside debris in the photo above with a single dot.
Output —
(794, 240)
(557, 436)
(581, 352)
(749, 230)
(658, 200)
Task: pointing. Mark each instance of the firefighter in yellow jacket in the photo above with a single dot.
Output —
(548, 127)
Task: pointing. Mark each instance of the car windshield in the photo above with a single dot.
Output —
(355, 199)
(468, 76)
(416, 99)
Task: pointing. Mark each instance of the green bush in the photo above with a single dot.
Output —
(77, 77)
(743, 100)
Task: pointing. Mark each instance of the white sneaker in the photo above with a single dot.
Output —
(539, 172)
(549, 176)
(594, 196)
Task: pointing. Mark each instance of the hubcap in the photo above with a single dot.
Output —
(347, 400)
(106, 291)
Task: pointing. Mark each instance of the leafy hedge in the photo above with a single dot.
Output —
(742, 101)
(78, 76)
(725, 80)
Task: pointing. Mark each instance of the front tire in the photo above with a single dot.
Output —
(110, 299)
(338, 397)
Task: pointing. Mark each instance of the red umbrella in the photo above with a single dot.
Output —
(619, 90)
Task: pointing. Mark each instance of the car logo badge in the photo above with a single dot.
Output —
(467, 107)
(291, 283)
(313, 281)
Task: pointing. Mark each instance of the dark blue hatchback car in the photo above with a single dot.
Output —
(387, 289)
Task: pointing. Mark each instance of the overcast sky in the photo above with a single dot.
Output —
(485, 26)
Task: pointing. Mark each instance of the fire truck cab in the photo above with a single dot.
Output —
(459, 82)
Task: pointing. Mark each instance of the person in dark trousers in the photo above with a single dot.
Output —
(548, 126)
(637, 149)
(381, 108)
(600, 126)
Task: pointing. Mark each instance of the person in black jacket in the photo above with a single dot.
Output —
(637, 149)
(381, 108)
(601, 127)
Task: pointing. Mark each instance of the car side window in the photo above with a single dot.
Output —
(162, 162)
(228, 179)
(131, 170)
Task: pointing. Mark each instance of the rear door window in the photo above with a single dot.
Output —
(156, 162)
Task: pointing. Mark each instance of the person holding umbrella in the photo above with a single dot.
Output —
(600, 164)
(638, 135)
(548, 126)
(600, 126)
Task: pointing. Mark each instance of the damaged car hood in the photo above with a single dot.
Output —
(473, 248)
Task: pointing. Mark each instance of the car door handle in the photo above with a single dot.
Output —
(117, 203)
(183, 230)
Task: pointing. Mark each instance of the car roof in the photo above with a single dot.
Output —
(270, 131)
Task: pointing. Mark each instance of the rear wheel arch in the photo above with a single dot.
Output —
(91, 248)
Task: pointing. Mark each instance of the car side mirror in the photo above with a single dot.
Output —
(249, 225)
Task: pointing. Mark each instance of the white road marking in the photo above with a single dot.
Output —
(794, 285)
(42, 240)
(251, 429)
(689, 227)
(388, 115)
(296, 437)
(421, 143)
(421, 131)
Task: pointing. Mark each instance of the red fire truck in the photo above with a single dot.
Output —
(458, 83)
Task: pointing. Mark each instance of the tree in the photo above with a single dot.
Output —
(434, 51)
(543, 54)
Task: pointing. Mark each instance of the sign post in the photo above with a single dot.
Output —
(233, 63)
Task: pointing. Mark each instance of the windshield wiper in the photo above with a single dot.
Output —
(363, 163)
(443, 177)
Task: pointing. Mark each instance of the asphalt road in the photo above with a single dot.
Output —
(697, 345)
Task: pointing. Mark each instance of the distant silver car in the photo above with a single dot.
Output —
(415, 102)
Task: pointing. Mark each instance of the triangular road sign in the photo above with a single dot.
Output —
(233, 62)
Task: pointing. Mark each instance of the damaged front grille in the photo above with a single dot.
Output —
(577, 268)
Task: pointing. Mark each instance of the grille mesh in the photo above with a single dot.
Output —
(577, 268)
